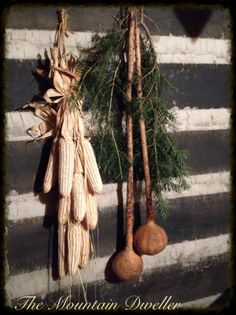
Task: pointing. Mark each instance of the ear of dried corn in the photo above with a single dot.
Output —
(51, 174)
(85, 247)
(93, 175)
(64, 209)
(62, 250)
(78, 197)
(66, 165)
(74, 247)
(91, 211)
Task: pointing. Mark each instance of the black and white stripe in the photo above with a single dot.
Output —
(198, 224)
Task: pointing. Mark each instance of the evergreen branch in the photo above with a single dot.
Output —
(116, 19)
(84, 76)
(150, 72)
(104, 88)
(149, 36)
(146, 97)
(120, 21)
(117, 152)
(112, 89)
(151, 20)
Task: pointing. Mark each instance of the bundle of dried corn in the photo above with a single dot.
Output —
(72, 164)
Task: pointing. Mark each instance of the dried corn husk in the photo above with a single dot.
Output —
(79, 125)
(40, 129)
(51, 174)
(74, 247)
(44, 129)
(50, 95)
(78, 197)
(90, 163)
(62, 253)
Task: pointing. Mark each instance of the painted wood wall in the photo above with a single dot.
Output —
(194, 268)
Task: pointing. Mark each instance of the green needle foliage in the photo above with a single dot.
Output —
(103, 86)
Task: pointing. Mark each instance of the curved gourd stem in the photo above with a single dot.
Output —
(148, 186)
(129, 130)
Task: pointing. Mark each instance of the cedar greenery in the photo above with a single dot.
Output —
(103, 85)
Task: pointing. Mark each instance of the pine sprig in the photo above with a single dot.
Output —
(103, 85)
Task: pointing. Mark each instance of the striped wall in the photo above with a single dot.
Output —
(194, 268)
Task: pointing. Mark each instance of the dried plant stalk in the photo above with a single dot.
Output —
(78, 167)
(51, 174)
(64, 209)
(66, 165)
(91, 211)
(129, 131)
(93, 175)
(79, 123)
(85, 247)
(62, 250)
(78, 197)
(74, 247)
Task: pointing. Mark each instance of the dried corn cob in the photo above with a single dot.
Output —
(62, 263)
(85, 247)
(66, 165)
(64, 209)
(74, 247)
(51, 174)
(78, 197)
(94, 178)
(91, 211)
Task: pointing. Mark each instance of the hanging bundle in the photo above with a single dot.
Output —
(127, 265)
(150, 238)
(126, 81)
(72, 163)
(104, 83)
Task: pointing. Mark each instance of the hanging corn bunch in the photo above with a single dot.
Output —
(72, 163)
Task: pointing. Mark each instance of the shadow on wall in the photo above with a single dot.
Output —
(50, 200)
(41, 76)
(110, 276)
(193, 20)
